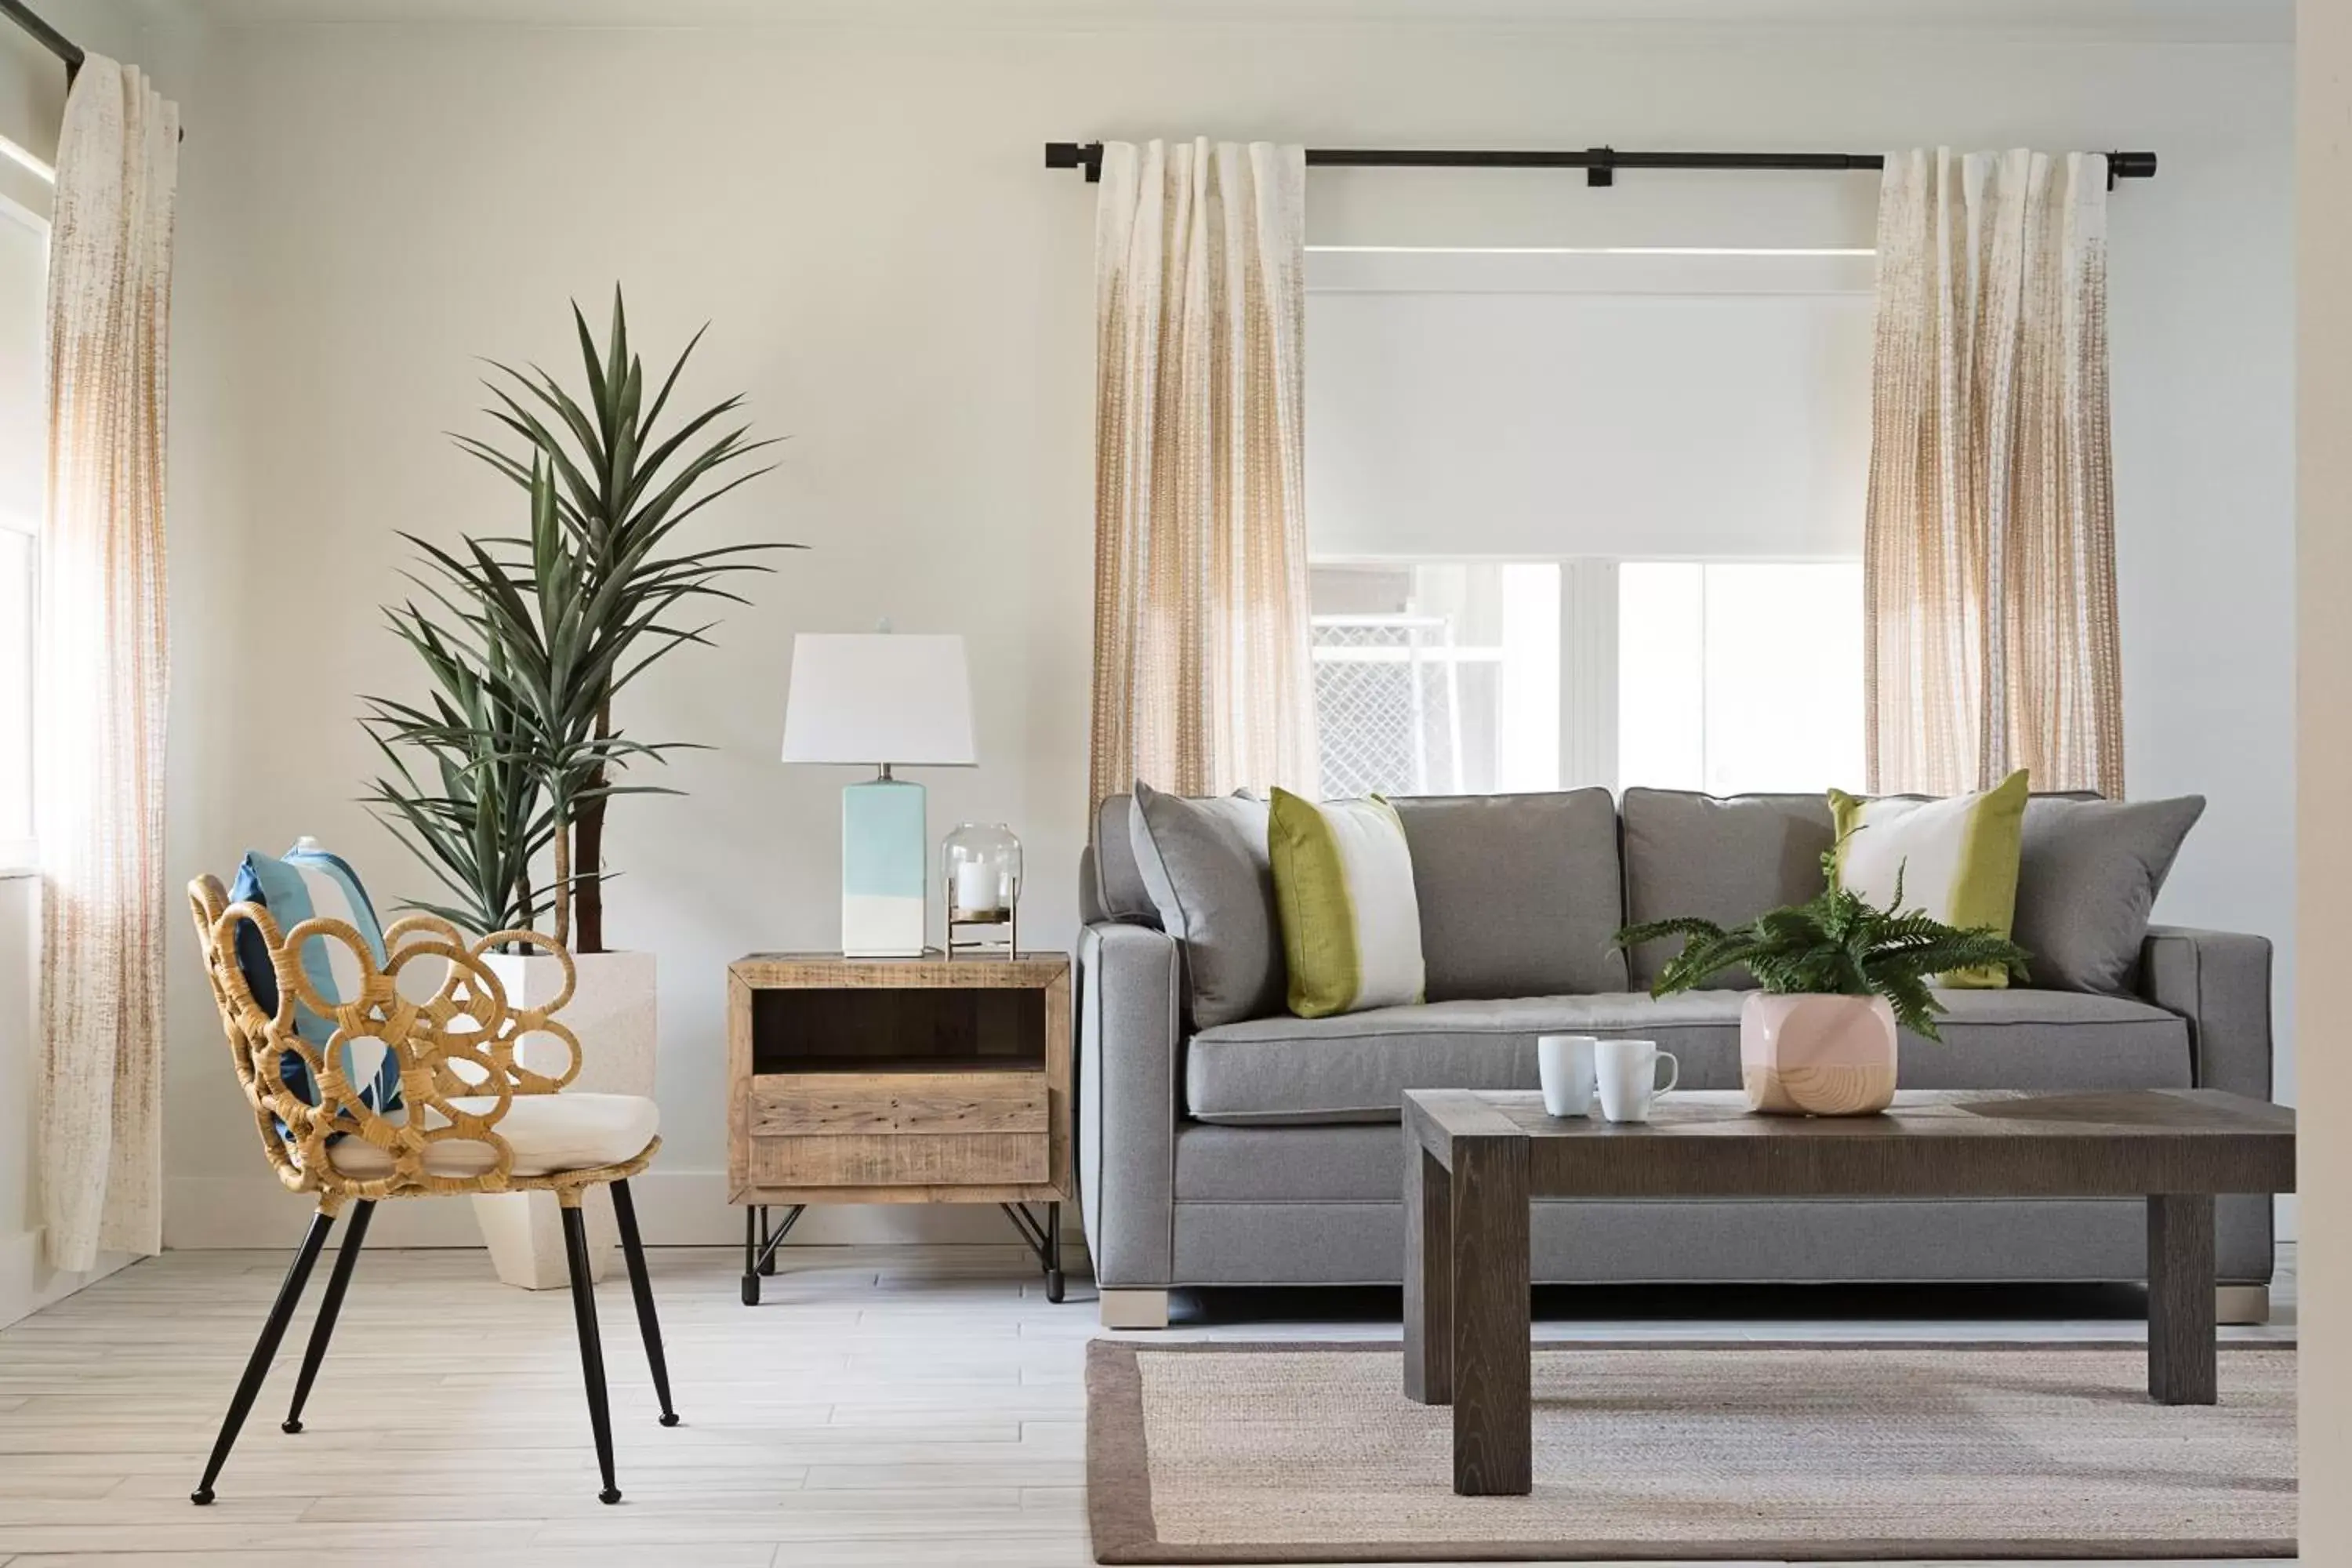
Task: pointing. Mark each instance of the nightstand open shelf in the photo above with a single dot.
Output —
(898, 1081)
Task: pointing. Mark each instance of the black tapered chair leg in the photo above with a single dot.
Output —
(624, 1210)
(265, 1351)
(592, 1348)
(339, 1281)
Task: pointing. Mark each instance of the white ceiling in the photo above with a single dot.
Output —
(2193, 20)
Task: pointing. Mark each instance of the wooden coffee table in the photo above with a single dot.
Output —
(1474, 1161)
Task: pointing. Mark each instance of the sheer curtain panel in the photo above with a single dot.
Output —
(99, 703)
(1989, 549)
(1202, 682)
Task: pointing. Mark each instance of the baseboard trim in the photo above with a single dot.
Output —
(675, 1208)
(27, 1283)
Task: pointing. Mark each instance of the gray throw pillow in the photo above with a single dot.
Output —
(2087, 876)
(1204, 863)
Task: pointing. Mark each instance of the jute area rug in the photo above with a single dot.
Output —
(1275, 1453)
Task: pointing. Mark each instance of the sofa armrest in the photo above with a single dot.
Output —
(2220, 981)
(1128, 1038)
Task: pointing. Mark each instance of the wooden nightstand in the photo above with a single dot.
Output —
(898, 1080)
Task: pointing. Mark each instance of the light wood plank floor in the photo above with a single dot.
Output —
(883, 1406)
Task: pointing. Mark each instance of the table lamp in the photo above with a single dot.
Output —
(881, 700)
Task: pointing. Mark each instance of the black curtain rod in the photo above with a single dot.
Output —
(48, 37)
(65, 48)
(1600, 164)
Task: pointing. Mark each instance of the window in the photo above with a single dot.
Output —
(24, 247)
(1437, 678)
(1453, 676)
(1739, 675)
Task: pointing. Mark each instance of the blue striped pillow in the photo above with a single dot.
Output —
(306, 882)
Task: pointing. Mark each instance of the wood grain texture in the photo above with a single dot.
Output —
(1428, 1276)
(2176, 1148)
(2180, 1302)
(916, 1101)
(1818, 1088)
(931, 1160)
(1973, 1144)
(1493, 1420)
(831, 971)
(913, 1080)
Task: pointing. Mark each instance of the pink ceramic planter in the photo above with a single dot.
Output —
(1817, 1056)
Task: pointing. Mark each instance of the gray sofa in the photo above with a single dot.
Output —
(1265, 1151)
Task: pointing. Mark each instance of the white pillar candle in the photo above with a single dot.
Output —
(975, 887)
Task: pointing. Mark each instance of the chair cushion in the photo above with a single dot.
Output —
(1519, 894)
(1356, 1068)
(1206, 863)
(1726, 859)
(548, 1132)
(305, 883)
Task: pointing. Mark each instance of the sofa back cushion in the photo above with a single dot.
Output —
(1723, 859)
(1519, 894)
(1204, 862)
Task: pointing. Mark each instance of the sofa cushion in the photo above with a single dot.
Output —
(2086, 881)
(1343, 887)
(1205, 864)
(1722, 859)
(1118, 890)
(1519, 894)
(1356, 1068)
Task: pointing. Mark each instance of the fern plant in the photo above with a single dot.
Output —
(1838, 944)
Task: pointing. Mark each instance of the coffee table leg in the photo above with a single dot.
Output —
(1428, 1276)
(2180, 1336)
(1492, 1361)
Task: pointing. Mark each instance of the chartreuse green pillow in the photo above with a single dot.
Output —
(1343, 889)
(1956, 857)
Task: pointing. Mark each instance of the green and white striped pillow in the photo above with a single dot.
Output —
(1956, 857)
(1351, 920)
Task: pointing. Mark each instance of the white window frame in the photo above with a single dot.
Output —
(1588, 644)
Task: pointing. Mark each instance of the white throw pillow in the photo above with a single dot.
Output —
(1955, 858)
(1350, 917)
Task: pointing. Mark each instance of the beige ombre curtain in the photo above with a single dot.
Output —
(1201, 679)
(1989, 553)
(99, 692)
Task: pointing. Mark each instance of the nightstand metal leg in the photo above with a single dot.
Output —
(759, 1244)
(1044, 1240)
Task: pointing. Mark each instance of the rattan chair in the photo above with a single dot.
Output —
(473, 1119)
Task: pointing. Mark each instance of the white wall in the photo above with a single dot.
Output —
(906, 293)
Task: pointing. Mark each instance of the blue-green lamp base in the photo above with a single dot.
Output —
(884, 856)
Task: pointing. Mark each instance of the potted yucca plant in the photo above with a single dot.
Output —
(499, 780)
(1837, 976)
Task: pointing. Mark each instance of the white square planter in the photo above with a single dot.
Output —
(614, 1012)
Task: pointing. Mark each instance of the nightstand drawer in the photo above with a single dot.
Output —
(900, 1159)
(845, 1104)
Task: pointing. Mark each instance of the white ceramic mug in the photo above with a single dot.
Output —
(1564, 1068)
(1627, 1075)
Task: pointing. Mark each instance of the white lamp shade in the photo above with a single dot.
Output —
(878, 698)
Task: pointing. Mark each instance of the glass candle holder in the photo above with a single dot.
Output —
(979, 874)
